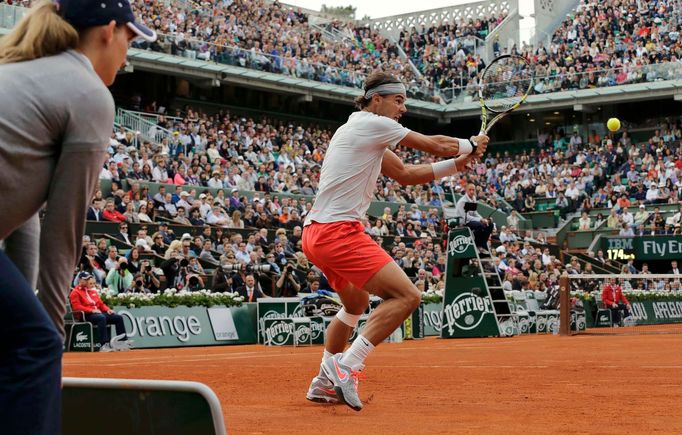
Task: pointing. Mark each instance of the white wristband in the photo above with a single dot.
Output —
(444, 168)
(465, 147)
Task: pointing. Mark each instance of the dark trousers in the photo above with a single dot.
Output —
(616, 313)
(30, 359)
(101, 320)
(481, 232)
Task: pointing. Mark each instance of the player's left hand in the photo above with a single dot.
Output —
(464, 164)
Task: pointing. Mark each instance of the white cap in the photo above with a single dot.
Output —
(141, 242)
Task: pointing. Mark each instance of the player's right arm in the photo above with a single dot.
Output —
(444, 146)
(393, 167)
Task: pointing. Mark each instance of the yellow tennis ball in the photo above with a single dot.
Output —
(613, 124)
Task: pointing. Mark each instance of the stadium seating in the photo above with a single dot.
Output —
(609, 43)
(287, 154)
(272, 37)
(448, 55)
(506, 176)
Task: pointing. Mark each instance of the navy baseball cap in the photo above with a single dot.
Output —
(89, 13)
(84, 275)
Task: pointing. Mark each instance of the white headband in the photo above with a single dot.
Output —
(386, 89)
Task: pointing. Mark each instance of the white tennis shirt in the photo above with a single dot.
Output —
(352, 165)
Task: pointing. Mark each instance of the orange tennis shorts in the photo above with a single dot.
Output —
(344, 252)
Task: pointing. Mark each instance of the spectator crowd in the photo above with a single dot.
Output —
(231, 154)
(608, 43)
(602, 43)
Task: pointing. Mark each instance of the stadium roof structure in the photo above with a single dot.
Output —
(578, 100)
(217, 73)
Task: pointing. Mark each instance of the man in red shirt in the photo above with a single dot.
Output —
(84, 297)
(111, 214)
(612, 297)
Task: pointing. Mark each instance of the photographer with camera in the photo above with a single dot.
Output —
(150, 280)
(119, 279)
(226, 277)
(193, 282)
(180, 280)
(239, 271)
(267, 280)
(138, 285)
(286, 284)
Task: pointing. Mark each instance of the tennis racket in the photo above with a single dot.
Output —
(504, 86)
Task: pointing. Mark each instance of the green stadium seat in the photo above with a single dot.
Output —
(604, 317)
(544, 318)
(526, 322)
(79, 334)
(540, 297)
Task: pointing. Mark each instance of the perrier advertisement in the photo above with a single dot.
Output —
(467, 305)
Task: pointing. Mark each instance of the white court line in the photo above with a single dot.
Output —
(286, 351)
(270, 352)
(456, 366)
(661, 367)
(250, 355)
(227, 357)
(274, 351)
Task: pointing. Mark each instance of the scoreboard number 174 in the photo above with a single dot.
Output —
(620, 254)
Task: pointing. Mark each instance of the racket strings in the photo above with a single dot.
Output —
(505, 83)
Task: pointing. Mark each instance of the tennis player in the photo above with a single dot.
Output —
(56, 117)
(335, 241)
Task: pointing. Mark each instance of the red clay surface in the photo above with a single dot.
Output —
(625, 384)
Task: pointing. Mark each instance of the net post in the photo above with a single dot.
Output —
(565, 306)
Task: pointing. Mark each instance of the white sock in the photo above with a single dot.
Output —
(326, 354)
(356, 354)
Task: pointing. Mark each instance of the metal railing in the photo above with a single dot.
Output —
(301, 68)
(330, 33)
(566, 81)
(148, 129)
(10, 15)
(252, 59)
(194, 48)
(154, 117)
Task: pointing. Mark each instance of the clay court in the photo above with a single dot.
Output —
(626, 380)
